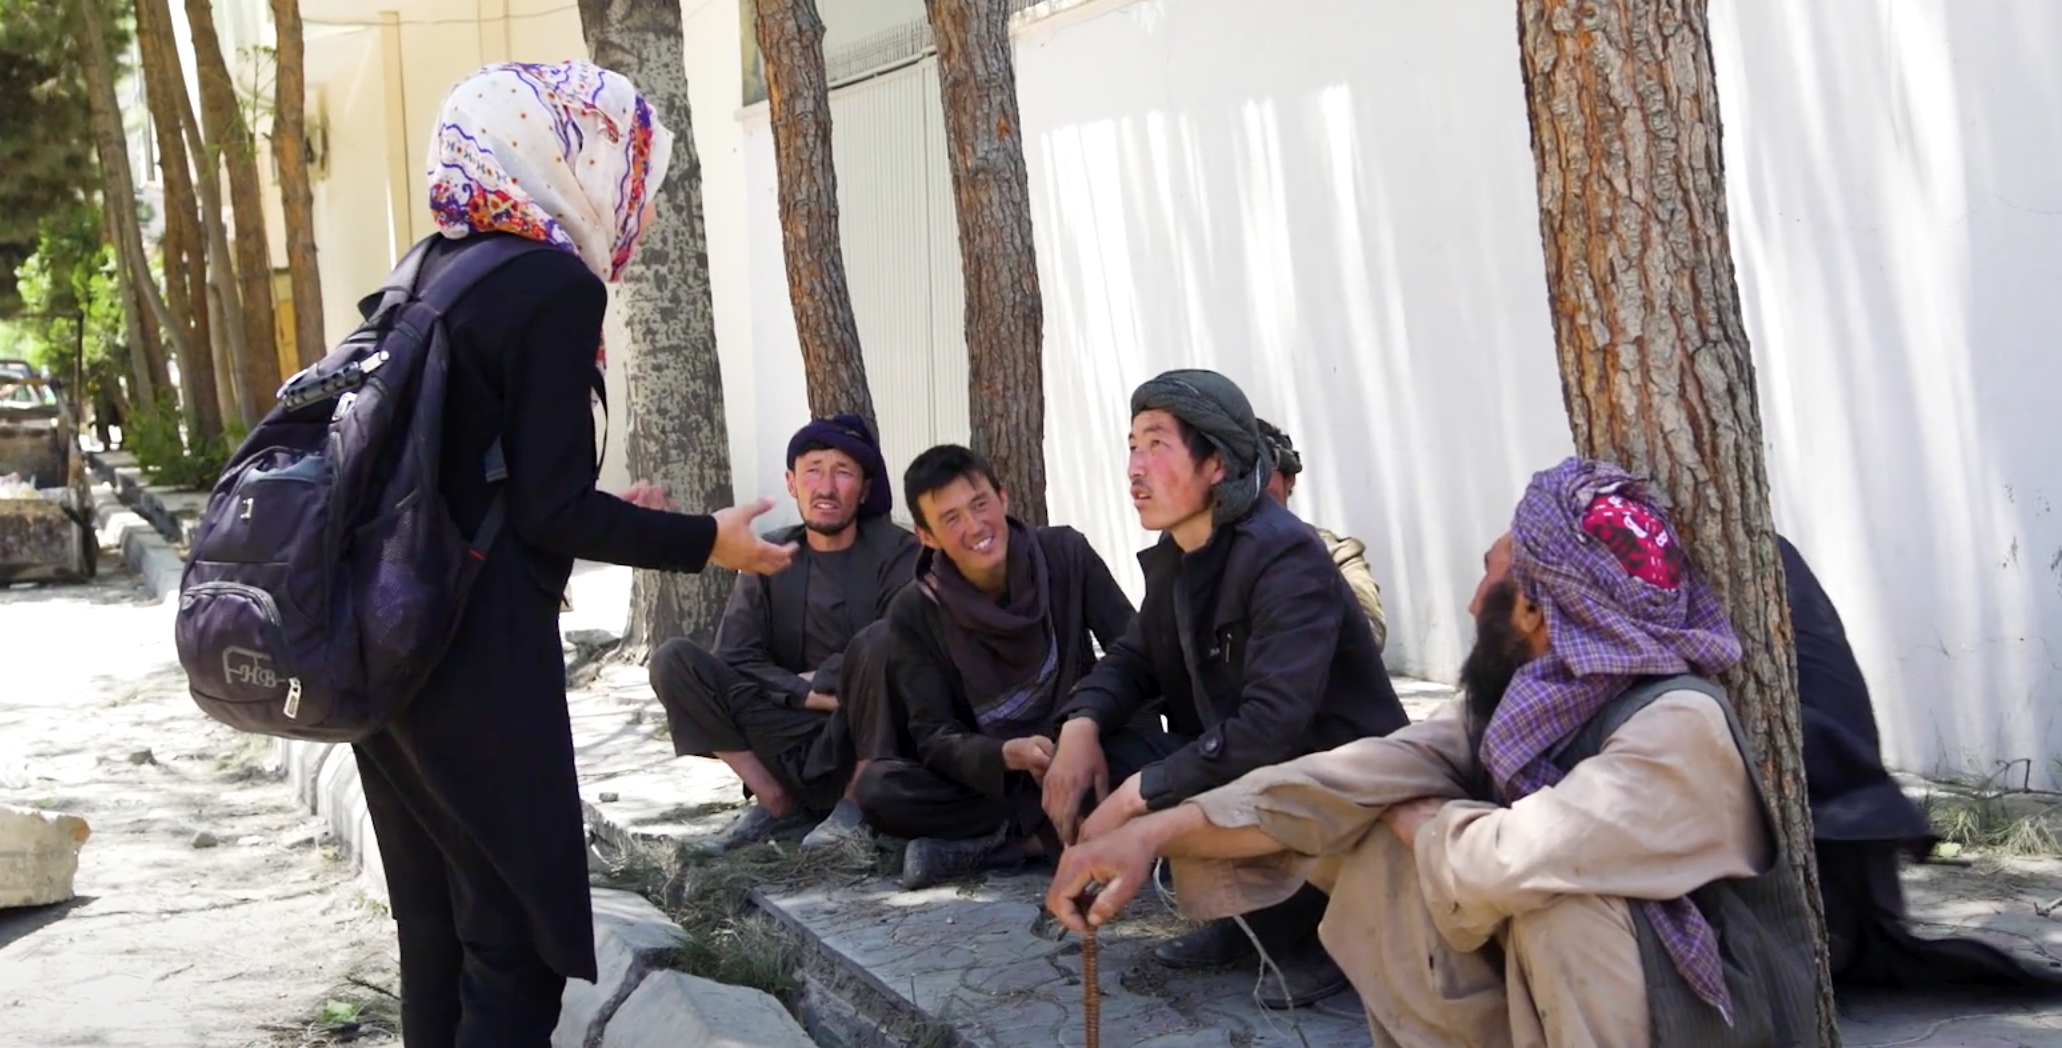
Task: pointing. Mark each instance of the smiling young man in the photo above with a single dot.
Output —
(792, 699)
(981, 650)
(1250, 636)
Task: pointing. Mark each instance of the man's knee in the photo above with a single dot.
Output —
(680, 668)
(866, 655)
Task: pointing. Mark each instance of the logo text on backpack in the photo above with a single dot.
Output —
(244, 666)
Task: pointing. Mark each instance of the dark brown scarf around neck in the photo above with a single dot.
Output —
(1000, 647)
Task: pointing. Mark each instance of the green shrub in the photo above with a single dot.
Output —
(157, 437)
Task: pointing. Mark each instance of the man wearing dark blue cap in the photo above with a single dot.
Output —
(794, 697)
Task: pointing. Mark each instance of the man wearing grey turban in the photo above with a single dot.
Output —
(1249, 642)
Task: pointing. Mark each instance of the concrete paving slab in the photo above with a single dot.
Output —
(966, 955)
(675, 1010)
(631, 940)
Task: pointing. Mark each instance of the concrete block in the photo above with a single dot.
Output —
(39, 856)
(303, 762)
(676, 1010)
(631, 940)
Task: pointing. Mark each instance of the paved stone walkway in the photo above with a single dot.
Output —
(239, 943)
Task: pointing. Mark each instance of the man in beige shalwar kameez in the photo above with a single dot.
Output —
(1549, 860)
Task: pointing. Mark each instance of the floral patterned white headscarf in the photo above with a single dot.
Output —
(566, 154)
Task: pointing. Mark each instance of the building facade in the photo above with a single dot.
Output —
(1333, 202)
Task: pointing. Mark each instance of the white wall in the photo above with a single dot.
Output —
(1344, 223)
(1897, 225)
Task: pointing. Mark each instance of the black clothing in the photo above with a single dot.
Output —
(904, 798)
(1260, 649)
(766, 626)
(714, 709)
(1083, 604)
(1862, 822)
(472, 791)
(749, 694)
(958, 787)
(1853, 797)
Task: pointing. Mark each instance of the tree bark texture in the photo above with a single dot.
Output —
(185, 256)
(790, 35)
(228, 138)
(678, 436)
(1656, 370)
(297, 196)
(992, 195)
(149, 377)
(223, 297)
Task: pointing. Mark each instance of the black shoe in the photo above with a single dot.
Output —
(1309, 975)
(756, 825)
(931, 860)
(1218, 944)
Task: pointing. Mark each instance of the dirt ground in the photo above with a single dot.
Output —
(210, 910)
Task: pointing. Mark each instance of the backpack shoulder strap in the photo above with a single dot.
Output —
(474, 263)
(400, 284)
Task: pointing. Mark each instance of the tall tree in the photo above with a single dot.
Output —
(185, 252)
(1656, 370)
(678, 436)
(290, 149)
(224, 299)
(229, 138)
(790, 35)
(43, 96)
(1005, 320)
(149, 378)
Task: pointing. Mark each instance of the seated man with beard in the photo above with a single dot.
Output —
(1575, 853)
(1350, 554)
(1248, 641)
(792, 699)
(981, 649)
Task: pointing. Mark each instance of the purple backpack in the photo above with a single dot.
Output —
(326, 578)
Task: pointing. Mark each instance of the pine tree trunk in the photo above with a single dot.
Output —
(297, 197)
(791, 39)
(224, 299)
(1656, 370)
(228, 138)
(676, 424)
(185, 258)
(149, 378)
(1005, 317)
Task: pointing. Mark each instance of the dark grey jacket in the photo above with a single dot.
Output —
(1258, 648)
(761, 635)
(1085, 602)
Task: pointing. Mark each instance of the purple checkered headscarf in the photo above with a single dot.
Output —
(1591, 547)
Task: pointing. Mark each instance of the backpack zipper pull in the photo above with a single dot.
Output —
(293, 697)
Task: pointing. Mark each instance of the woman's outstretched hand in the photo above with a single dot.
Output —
(740, 548)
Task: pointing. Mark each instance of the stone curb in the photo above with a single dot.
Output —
(143, 548)
(635, 1002)
(129, 487)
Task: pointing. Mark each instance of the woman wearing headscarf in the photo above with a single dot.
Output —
(472, 790)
